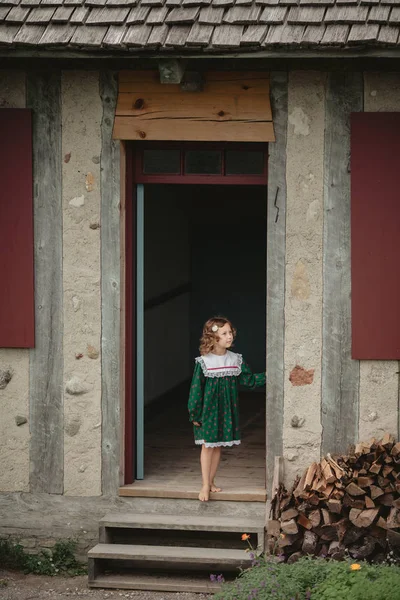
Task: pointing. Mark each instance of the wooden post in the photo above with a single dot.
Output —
(46, 362)
(110, 288)
(276, 249)
(340, 374)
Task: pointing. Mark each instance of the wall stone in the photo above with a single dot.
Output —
(81, 147)
(14, 392)
(303, 299)
(379, 380)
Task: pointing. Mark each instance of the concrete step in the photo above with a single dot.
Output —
(160, 582)
(172, 556)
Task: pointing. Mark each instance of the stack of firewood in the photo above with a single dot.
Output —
(342, 505)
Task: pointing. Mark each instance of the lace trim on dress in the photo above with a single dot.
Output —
(227, 371)
(217, 444)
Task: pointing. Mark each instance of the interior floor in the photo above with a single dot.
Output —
(172, 468)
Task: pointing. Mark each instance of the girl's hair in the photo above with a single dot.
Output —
(209, 337)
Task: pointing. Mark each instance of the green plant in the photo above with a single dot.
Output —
(61, 561)
(314, 579)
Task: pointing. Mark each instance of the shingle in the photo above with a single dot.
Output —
(363, 33)
(225, 3)
(30, 2)
(273, 15)
(4, 10)
(79, 15)
(211, 16)
(313, 34)
(335, 35)
(137, 35)
(63, 14)
(114, 36)
(392, 2)
(122, 3)
(200, 35)
(243, 15)
(157, 16)
(284, 34)
(138, 15)
(158, 36)
(254, 35)
(182, 15)
(227, 36)
(268, 2)
(244, 3)
(288, 2)
(40, 15)
(9, 2)
(29, 34)
(177, 35)
(388, 35)
(378, 14)
(188, 3)
(57, 35)
(98, 3)
(73, 2)
(152, 3)
(395, 15)
(51, 2)
(8, 33)
(173, 3)
(107, 16)
(317, 2)
(306, 15)
(89, 37)
(346, 14)
(17, 14)
(347, 2)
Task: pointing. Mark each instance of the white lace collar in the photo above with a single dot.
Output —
(227, 365)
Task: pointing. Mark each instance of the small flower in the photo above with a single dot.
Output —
(252, 555)
(214, 328)
(245, 537)
(355, 567)
(220, 579)
(213, 577)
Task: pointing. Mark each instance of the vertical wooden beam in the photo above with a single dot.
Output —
(110, 287)
(46, 362)
(340, 374)
(276, 249)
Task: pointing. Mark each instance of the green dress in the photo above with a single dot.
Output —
(213, 398)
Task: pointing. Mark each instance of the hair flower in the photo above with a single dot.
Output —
(214, 328)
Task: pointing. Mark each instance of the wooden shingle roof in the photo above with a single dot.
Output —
(199, 26)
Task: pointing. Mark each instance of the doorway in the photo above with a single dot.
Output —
(204, 254)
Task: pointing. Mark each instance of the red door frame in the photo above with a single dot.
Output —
(134, 161)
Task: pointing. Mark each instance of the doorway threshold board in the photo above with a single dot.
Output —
(141, 489)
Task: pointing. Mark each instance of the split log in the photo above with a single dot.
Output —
(363, 518)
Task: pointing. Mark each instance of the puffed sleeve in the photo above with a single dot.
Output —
(195, 404)
(249, 379)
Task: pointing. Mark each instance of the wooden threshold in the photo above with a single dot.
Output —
(239, 494)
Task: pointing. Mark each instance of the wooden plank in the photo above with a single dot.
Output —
(110, 287)
(276, 250)
(201, 107)
(340, 374)
(225, 131)
(46, 363)
(182, 522)
(199, 557)
(166, 582)
(243, 493)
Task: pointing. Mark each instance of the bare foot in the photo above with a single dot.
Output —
(204, 495)
(215, 488)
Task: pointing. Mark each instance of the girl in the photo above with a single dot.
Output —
(213, 399)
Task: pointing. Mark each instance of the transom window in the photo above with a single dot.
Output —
(212, 163)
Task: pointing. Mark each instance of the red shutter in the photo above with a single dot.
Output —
(375, 235)
(16, 229)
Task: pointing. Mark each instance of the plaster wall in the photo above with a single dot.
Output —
(379, 380)
(81, 148)
(14, 395)
(303, 295)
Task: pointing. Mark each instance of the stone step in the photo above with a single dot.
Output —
(160, 582)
